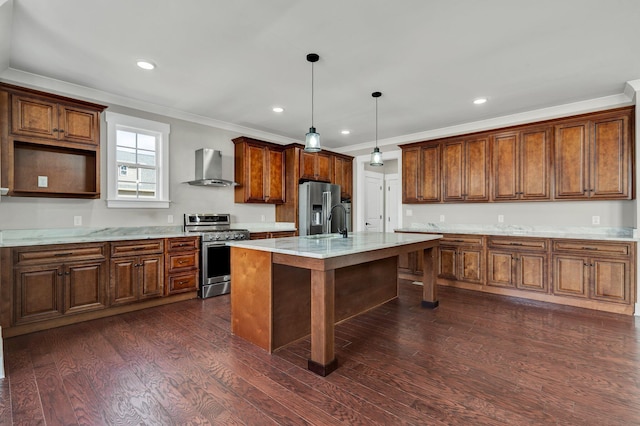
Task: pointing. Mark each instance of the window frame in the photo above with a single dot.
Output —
(117, 122)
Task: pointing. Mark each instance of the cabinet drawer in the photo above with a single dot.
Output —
(183, 282)
(595, 247)
(519, 243)
(58, 254)
(456, 239)
(183, 244)
(128, 248)
(182, 261)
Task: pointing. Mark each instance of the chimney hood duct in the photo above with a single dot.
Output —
(209, 169)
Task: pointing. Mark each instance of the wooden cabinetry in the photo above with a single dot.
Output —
(520, 263)
(461, 258)
(182, 264)
(520, 165)
(272, 234)
(137, 270)
(421, 174)
(593, 157)
(316, 166)
(343, 175)
(54, 281)
(259, 171)
(465, 170)
(49, 145)
(594, 269)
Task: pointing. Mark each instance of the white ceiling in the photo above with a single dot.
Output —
(233, 61)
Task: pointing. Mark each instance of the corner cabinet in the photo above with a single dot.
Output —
(49, 145)
(259, 171)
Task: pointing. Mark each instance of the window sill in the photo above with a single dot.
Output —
(137, 204)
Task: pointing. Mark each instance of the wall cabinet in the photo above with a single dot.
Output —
(421, 174)
(606, 273)
(49, 145)
(54, 281)
(316, 166)
(259, 171)
(182, 264)
(461, 258)
(137, 270)
(465, 170)
(520, 165)
(343, 176)
(593, 157)
(518, 263)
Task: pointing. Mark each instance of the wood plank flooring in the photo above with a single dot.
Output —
(478, 359)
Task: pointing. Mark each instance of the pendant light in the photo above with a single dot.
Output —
(376, 155)
(312, 139)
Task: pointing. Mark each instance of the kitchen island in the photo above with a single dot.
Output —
(285, 289)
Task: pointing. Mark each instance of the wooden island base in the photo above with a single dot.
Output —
(277, 299)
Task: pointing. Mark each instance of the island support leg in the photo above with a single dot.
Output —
(429, 287)
(323, 359)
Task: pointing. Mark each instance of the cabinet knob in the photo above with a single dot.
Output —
(67, 273)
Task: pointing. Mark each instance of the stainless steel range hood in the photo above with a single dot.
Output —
(209, 169)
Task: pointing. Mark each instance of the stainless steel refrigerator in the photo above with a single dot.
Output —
(315, 202)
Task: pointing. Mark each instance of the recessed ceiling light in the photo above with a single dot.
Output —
(345, 132)
(278, 109)
(145, 65)
(480, 101)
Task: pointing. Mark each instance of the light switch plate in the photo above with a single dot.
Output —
(500, 218)
(77, 221)
(595, 220)
(409, 212)
(43, 181)
(441, 218)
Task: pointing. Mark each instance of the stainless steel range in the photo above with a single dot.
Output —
(215, 269)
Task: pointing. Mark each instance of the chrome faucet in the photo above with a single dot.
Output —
(342, 232)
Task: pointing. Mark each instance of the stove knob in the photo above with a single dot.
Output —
(241, 236)
(217, 237)
(229, 236)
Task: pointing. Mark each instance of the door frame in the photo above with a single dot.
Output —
(358, 206)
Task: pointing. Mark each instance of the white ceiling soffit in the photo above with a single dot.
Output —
(227, 64)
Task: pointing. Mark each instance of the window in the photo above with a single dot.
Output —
(137, 162)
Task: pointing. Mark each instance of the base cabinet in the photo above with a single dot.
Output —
(461, 258)
(182, 262)
(137, 270)
(518, 263)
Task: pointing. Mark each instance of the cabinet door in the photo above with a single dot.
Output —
(324, 169)
(447, 261)
(500, 269)
(255, 159)
(611, 280)
(610, 159)
(343, 176)
(34, 117)
(570, 276)
(453, 171)
(571, 160)
(85, 287)
(471, 265)
(505, 167)
(307, 165)
(181, 283)
(151, 276)
(429, 174)
(124, 280)
(534, 165)
(531, 272)
(411, 175)
(78, 125)
(38, 293)
(476, 170)
(275, 176)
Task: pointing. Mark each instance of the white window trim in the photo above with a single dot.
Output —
(113, 121)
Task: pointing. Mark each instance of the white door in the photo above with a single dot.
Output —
(373, 202)
(391, 202)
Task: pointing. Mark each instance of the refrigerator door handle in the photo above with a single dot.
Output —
(326, 211)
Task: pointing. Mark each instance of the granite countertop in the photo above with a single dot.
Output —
(325, 246)
(266, 226)
(35, 237)
(580, 233)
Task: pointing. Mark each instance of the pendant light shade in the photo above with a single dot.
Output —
(312, 139)
(376, 155)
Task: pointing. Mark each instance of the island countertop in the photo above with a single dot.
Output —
(325, 246)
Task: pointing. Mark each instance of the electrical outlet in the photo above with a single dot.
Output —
(77, 221)
(409, 212)
(441, 218)
(500, 218)
(43, 181)
(595, 220)
(262, 218)
(169, 218)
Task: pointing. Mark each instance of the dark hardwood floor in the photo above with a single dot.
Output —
(477, 359)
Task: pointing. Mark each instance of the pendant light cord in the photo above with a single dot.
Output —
(376, 122)
(312, 95)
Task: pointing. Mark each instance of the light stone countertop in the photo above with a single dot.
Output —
(578, 233)
(325, 246)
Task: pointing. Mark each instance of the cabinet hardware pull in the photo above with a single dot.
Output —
(515, 244)
(63, 254)
(139, 248)
(458, 241)
(59, 274)
(67, 273)
(589, 248)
